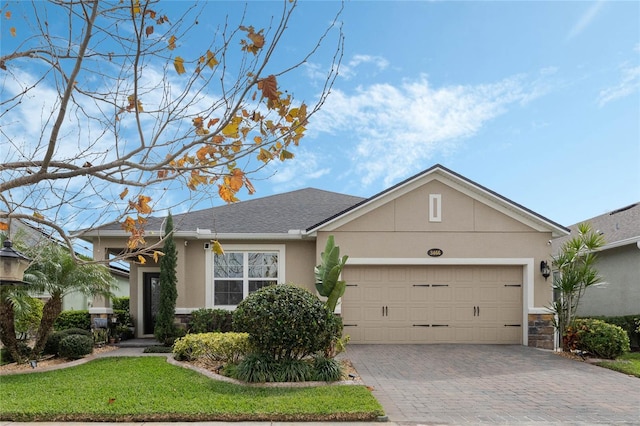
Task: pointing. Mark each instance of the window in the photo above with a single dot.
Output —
(237, 274)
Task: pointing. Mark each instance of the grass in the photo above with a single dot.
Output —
(628, 363)
(149, 389)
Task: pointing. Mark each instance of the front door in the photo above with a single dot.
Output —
(150, 300)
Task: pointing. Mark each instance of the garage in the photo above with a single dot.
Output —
(433, 304)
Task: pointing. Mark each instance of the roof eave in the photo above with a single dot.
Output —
(205, 234)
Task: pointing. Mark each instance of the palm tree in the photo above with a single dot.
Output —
(576, 271)
(53, 271)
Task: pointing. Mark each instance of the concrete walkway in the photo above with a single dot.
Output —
(491, 384)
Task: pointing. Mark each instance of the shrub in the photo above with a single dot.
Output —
(52, 347)
(600, 338)
(256, 368)
(628, 324)
(326, 369)
(23, 349)
(73, 319)
(286, 322)
(212, 347)
(292, 370)
(120, 304)
(210, 320)
(75, 346)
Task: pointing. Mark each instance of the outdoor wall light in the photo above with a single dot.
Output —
(544, 269)
(12, 265)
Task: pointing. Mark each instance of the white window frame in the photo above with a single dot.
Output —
(280, 249)
(435, 207)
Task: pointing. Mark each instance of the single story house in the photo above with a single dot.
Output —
(436, 258)
(618, 264)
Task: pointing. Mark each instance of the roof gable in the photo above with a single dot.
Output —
(453, 180)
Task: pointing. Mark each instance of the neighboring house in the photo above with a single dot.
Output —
(32, 236)
(436, 258)
(618, 264)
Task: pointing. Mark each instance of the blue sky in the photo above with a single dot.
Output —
(538, 101)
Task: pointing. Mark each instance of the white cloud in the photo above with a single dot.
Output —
(293, 174)
(348, 70)
(629, 84)
(396, 128)
(585, 20)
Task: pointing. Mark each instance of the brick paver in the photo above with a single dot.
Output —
(470, 384)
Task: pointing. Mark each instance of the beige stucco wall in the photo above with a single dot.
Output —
(469, 229)
(191, 269)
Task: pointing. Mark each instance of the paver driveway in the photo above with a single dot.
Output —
(470, 384)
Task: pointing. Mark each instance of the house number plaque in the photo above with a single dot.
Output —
(435, 252)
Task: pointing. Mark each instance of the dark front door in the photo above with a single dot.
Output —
(150, 300)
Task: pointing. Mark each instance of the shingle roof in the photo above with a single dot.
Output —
(267, 215)
(619, 225)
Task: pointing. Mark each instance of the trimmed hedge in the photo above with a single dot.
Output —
(73, 319)
(210, 320)
(600, 338)
(629, 323)
(75, 346)
(52, 347)
(212, 347)
(287, 322)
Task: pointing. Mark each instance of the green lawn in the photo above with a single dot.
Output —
(150, 389)
(628, 363)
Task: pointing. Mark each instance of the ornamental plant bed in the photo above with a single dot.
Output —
(51, 362)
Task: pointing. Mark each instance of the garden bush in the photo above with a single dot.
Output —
(286, 322)
(256, 368)
(212, 347)
(52, 347)
(23, 349)
(326, 369)
(75, 346)
(600, 338)
(120, 303)
(73, 319)
(210, 320)
(628, 324)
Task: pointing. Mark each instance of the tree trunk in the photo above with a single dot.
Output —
(8, 330)
(50, 312)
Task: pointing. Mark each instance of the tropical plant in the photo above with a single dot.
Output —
(28, 320)
(54, 272)
(575, 266)
(128, 100)
(327, 274)
(165, 328)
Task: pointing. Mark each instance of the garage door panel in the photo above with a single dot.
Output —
(420, 334)
(398, 293)
(418, 314)
(442, 294)
(441, 314)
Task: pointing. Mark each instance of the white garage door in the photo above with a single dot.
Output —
(433, 304)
